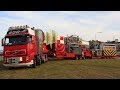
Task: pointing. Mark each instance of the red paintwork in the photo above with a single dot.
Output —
(30, 50)
(83, 48)
(59, 50)
(61, 37)
(88, 54)
(45, 51)
(70, 55)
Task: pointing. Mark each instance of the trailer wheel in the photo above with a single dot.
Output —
(91, 57)
(84, 58)
(80, 57)
(40, 61)
(34, 63)
(43, 59)
(76, 57)
(46, 58)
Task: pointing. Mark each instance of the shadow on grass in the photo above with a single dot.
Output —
(18, 68)
(14, 68)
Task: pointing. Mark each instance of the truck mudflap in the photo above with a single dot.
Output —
(18, 64)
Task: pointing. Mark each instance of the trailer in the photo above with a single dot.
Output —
(103, 49)
(69, 48)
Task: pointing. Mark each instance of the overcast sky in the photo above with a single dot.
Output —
(83, 23)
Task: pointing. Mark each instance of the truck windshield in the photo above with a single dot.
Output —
(16, 40)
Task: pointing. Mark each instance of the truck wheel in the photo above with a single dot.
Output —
(34, 63)
(39, 61)
(10, 68)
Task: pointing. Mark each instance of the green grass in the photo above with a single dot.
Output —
(1, 57)
(67, 69)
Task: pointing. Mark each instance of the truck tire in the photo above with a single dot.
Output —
(39, 61)
(10, 68)
(34, 63)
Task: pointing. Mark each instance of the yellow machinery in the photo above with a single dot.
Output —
(50, 37)
(109, 50)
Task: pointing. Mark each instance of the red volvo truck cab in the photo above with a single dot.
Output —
(23, 46)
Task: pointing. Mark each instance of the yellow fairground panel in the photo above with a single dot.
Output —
(109, 51)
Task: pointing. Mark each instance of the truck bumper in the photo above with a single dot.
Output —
(19, 64)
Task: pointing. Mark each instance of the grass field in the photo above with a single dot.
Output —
(67, 69)
(1, 57)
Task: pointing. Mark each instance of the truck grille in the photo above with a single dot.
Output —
(16, 52)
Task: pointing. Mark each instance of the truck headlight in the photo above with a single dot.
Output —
(6, 61)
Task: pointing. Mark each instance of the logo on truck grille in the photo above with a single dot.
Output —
(16, 52)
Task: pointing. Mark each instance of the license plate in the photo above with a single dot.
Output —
(12, 61)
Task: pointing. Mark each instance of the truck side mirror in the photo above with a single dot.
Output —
(3, 41)
(33, 41)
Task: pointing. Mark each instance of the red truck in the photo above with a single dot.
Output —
(87, 52)
(24, 46)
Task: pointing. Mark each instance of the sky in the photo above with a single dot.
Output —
(85, 24)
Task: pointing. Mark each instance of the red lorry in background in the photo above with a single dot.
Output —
(87, 52)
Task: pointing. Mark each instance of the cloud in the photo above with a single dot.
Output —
(85, 24)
